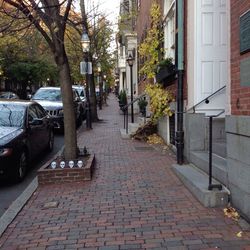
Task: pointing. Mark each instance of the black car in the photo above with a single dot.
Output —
(51, 100)
(25, 131)
(8, 95)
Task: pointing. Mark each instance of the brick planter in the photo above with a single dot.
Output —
(47, 175)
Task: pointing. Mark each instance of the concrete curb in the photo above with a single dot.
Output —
(17, 205)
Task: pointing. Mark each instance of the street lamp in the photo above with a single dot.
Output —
(85, 48)
(99, 69)
(104, 88)
(130, 61)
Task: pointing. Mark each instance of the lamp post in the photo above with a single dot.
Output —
(85, 48)
(104, 87)
(99, 69)
(130, 61)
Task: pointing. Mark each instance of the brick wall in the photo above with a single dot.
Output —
(240, 96)
(143, 22)
(142, 25)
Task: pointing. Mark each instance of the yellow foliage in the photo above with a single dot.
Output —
(155, 139)
(159, 101)
(149, 49)
(239, 234)
(231, 212)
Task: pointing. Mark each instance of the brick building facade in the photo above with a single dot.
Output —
(240, 95)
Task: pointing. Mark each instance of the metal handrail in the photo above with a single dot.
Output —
(125, 111)
(206, 100)
(210, 150)
(135, 100)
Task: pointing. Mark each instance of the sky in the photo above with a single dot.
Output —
(109, 7)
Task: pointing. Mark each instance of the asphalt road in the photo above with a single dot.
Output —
(10, 191)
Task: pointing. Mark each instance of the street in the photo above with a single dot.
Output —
(10, 191)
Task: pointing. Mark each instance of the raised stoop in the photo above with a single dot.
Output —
(220, 148)
(142, 120)
(197, 182)
(124, 134)
(219, 165)
(132, 128)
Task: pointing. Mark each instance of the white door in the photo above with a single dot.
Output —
(212, 47)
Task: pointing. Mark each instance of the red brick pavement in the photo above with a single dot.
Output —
(133, 202)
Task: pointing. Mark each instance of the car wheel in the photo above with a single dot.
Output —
(50, 145)
(22, 166)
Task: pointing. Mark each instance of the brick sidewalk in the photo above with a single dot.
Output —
(133, 202)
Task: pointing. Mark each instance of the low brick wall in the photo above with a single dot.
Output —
(47, 175)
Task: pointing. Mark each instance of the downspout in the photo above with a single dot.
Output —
(180, 73)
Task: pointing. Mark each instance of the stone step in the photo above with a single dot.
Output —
(219, 165)
(197, 182)
(132, 127)
(124, 134)
(220, 148)
(142, 120)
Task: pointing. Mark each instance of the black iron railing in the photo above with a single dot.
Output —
(206, 100)
(125, 111)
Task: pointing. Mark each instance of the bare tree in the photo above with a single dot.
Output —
(49, 17)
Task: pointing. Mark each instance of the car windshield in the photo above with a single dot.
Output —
(80, 92)
(48, 94)
(11, 115)
(4, 95)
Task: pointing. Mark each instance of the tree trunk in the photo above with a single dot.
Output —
(70, 141)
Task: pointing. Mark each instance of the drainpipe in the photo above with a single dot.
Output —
(180, 73)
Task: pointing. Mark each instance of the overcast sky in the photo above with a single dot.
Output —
(109, 7)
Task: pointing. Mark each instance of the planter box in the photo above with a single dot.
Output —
(48, 175)
(166, 74)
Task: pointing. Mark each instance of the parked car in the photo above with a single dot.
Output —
(51, 100)
(81, 91)
(8, 95)
(25, 131)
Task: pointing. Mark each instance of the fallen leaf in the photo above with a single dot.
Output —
(239, 234)
(231, 212)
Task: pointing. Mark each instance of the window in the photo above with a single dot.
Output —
(169, 28)
(41, 113)
(32, 114)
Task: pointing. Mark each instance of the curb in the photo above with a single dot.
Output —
(17, 205)
(10, 214)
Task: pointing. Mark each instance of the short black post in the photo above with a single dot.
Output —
(127, 120)
(124, 117)
(210, 151)
(132, 94)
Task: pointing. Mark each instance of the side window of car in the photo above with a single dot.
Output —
(41, 113)
(32, 114)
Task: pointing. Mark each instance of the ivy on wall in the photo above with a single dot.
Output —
(159, 101)
(149, 48)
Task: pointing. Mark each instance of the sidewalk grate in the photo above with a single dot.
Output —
(144, 148)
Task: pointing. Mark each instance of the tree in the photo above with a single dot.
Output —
(49, 18)
(102, 38)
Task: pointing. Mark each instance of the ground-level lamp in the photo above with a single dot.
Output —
(130, 61)
(85, 48)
